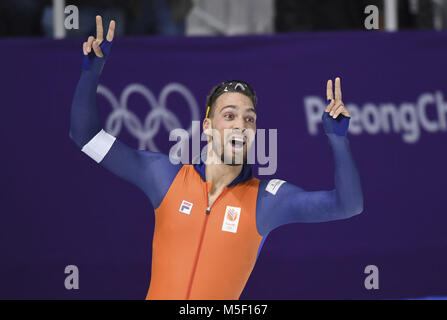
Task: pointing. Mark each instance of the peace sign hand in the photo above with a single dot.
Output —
(337, 124)
(336, 106)
(95, 43)
(94, 63)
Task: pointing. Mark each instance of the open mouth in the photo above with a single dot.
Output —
(237, 142)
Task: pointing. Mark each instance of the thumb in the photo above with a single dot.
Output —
(97, 49)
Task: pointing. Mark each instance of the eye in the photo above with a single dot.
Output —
(228, 116)
(251, 119)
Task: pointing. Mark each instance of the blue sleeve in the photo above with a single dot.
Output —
(152, 172)
(279, 204)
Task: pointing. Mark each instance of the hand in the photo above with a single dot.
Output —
(336, 106)
(95, 43)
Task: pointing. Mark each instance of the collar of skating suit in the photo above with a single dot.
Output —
(244, 175)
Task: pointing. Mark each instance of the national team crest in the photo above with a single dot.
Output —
(231, 220)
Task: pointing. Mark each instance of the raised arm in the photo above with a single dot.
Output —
(152, 172)
(280, 202)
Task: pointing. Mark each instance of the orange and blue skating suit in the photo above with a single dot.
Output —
(201, 252)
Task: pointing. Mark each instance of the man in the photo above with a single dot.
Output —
(212, 218)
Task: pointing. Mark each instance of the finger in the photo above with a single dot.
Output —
(338, 111)
(336, 105)
(84, 48)
(111, 31)
(333, 106)
(90, 43)
(99, 30)
(97, 49)
(330, 106)
(329, 93)
(337, 89)
(345, 112)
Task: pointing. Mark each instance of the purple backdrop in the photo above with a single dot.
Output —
(58, 207)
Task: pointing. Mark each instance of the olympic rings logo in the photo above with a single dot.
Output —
(159, 113)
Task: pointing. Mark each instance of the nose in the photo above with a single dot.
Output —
(240, 124)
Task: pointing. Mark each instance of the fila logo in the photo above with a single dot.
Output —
(231, 219)
(186, 207)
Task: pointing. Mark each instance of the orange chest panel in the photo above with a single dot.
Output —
(200, 255)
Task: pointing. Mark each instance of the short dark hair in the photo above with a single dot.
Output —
(229, 86)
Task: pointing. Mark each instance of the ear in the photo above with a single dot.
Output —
(207, 126)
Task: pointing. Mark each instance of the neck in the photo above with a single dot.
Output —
(220, 174)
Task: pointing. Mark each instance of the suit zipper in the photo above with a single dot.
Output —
(196, 260)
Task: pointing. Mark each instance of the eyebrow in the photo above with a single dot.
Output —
(235, 107)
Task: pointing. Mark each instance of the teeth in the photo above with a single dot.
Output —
(237, 143)
(237, 139)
